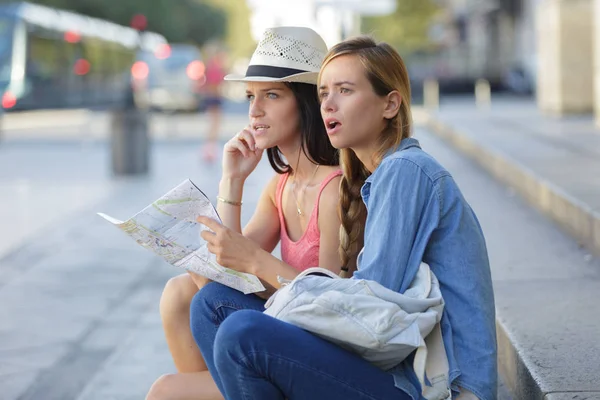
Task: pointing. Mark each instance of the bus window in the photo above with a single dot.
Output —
(43, 71)
(6, 38)
(42, 63)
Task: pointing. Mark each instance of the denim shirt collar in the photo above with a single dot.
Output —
(404, 144)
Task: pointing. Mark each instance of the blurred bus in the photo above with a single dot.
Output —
(51, 58)
(175, 77)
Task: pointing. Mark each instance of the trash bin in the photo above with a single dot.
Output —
(130, 142)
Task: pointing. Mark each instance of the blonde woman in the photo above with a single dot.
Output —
(416, 213)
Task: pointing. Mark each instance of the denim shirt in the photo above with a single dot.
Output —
(417, 212)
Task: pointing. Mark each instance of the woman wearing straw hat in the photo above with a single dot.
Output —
(298, 208)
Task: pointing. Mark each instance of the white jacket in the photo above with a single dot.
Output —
(381, 325)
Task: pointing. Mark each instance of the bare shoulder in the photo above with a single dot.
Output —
(270, 190)
(330, 196)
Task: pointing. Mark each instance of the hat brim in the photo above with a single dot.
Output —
(303, 77)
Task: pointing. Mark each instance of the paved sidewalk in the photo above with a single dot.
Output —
(547, 315)
(79, 300)
(94, 126)
(41, 185)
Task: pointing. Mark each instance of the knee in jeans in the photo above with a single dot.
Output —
(177, 295)
(239, 333)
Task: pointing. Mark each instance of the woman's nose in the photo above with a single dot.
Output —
(328, 104)
(255, 109)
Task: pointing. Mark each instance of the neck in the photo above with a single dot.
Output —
(365, 155)
(365, 151)
(302, 167)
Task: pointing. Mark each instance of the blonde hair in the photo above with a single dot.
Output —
(386, 72)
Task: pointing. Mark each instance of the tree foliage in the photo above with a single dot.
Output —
(407, 29)
(178, 20)
(238, 36)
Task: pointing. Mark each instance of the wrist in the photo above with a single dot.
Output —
(231, 188)
(232, 180)
(256, 262)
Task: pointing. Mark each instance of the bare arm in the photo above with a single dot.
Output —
(264, 228)
(231, 189)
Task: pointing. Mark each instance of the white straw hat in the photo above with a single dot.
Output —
(285, 54)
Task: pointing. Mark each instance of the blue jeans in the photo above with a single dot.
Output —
(251, 355)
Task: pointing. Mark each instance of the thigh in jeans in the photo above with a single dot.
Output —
(259, 357)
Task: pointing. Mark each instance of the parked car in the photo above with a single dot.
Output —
(174, 75)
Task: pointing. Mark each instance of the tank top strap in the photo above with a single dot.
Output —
(326, 181)
(315, 214)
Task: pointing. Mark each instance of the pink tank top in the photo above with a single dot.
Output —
(304, 253)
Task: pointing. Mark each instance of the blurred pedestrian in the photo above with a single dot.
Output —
(215, 72)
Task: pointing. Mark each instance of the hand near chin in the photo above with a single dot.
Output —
(240, 155)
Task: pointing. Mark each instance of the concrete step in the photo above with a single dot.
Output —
(545, 282)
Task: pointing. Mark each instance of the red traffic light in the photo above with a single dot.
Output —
(72, 36)
(139, 22)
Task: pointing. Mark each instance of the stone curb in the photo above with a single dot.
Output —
(576, 218)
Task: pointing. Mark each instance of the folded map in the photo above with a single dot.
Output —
(168, 227)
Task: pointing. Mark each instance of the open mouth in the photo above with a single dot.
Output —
(332, 125)
(260, 127)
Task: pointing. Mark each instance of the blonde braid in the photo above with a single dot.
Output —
(352, 209)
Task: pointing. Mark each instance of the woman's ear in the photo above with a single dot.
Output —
(392, 106)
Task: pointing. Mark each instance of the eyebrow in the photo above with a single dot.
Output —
(265, 90)
(340, 83)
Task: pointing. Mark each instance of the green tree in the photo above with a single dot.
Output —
(407, 29)
(238, 36)
(207, 22)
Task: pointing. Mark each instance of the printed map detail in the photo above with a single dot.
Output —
(168, 228)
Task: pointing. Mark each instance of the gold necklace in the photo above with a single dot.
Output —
(303, 189)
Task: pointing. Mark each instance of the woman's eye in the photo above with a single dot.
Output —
(322, 95)
(271, 96)
(249, 97)
(344, 90)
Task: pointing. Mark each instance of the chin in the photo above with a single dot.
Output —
(263, 143)
(338, 143)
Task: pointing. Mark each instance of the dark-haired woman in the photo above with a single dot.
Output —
(298, 207)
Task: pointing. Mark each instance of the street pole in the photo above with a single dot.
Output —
(431, 94)
(483, 93)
